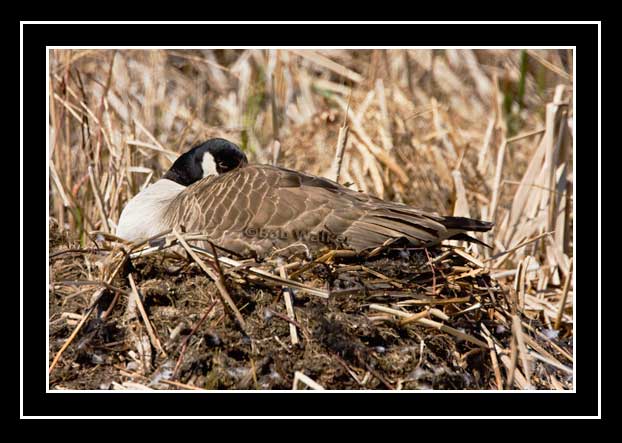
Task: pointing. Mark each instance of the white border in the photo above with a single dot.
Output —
(318, 22)
(298, 47)
(21, 223)
(599, 258)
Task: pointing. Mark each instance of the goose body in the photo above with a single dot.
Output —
(254, 210)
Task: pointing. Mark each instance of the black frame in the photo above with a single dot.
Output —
(36, 402)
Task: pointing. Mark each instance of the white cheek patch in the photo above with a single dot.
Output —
(208, 165)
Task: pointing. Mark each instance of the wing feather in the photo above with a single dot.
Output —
(232, 209)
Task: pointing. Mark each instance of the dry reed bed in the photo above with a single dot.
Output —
(486, 134)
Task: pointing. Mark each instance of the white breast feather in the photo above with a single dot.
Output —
(142, 216)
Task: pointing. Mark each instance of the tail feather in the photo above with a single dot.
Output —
(467, 224)
(465, 237)
(373, 230)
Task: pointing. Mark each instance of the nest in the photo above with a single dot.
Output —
(174, 316)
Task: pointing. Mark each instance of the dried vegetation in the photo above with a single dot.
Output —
(486, 134)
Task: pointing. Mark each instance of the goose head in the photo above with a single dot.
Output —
(214, 157)
(143, 216)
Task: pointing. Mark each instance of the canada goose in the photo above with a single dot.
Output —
(253, 210)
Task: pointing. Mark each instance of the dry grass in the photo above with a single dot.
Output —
(486, 134)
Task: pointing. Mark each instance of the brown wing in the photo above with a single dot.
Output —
(261, 208)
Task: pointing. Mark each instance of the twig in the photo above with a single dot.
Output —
(512, 371)
(452, 331)
(342, 139)
(275, 121)
(427, 254)
(562, 302)
(290, 308)
(276, 152)
(379, 377)
(431, 324)
(92, 283)
(379, 153)
(329, 64)
(182, 385)
(554, 345)
(225, 297)
(79, 251)
(514, 248)
(154, 339)
(550, 66)
(497, 181)
(415, 317)
(59, 185)
(238, 265)
(553, 363)
(98, 200)
(72, 336)
(323, 259)
(289, 320)
(84, 318)
(127, 373)
(522, 349)
(432, 301)
(537, 349)
(113, 303)
(348, 370)
(385, 128)
(170, 155)
(493, 357)
(481, 162)
(100, 113)
(525, 135)
(470, 258)
(184, 344)
(301, 377)
(206, 61)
